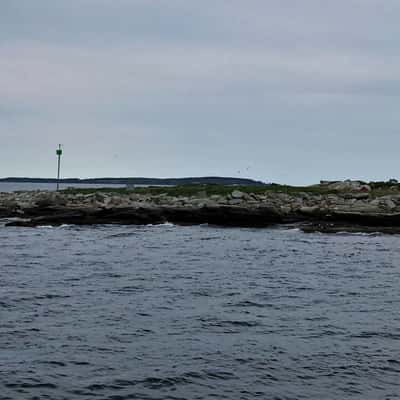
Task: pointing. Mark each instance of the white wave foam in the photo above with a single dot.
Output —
(345, 233)
(164, 224)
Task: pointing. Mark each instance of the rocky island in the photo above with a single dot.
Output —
(330, 207)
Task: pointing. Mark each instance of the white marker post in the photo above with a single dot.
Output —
(59, 153)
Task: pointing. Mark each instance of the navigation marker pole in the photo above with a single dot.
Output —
(59, 153)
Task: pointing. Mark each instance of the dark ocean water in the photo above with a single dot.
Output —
(165, 312)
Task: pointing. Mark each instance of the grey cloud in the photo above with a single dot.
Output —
(280, 90)
(36, 73)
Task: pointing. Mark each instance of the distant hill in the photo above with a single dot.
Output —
(142, 181)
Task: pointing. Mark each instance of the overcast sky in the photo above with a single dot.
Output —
(279, 90)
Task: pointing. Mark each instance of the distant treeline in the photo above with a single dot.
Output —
(207, 180)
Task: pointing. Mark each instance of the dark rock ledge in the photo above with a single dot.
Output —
(222, 215)
(230, 216)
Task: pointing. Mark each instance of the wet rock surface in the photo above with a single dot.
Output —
(222, 215)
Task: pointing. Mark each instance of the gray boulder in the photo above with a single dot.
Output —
(237, 194)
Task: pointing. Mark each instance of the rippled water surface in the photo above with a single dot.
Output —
(165, 312)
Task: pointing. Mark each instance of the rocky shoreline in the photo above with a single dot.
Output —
(351, 207)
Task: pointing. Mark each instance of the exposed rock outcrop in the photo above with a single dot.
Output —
(331, 210)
